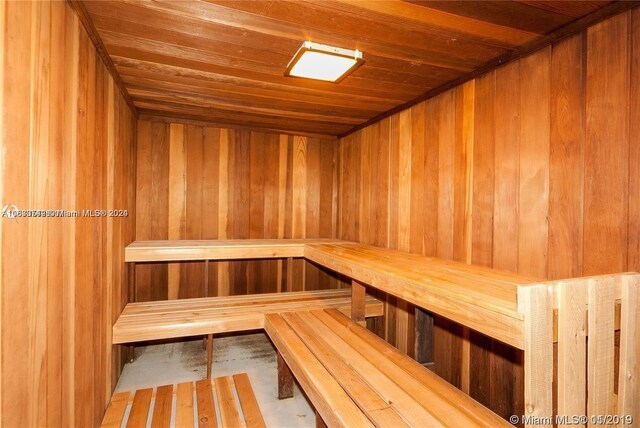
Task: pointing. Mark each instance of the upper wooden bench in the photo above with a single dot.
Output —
(480, 298)
(232, 249)
(355, 379)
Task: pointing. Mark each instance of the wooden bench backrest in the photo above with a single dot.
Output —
(587, 320)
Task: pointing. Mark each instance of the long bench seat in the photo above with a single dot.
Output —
(354, 378)
(167, 319)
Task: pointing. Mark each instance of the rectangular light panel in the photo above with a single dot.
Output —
(322, 62)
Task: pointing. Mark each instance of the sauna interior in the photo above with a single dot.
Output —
(319, 213)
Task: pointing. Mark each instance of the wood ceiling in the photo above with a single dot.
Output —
(224, 61)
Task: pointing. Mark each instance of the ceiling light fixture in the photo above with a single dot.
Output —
(322, 62)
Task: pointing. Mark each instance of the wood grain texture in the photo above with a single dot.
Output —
(142, 321)
(572, 348)
(544, 183)
(224, 61)
(198, 182)
(387, 386)
(600, 347)
(606, 147)
(68, 144)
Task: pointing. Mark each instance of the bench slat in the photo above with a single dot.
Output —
(250, 409)
(162, 407)
(140, 408)
(335, 362)
(366, 364)
(206, 410)
(227, 403)
(395, 397)
(333, 404)
(243, 300)
(457, 405)
(184, 405)
(115, 412)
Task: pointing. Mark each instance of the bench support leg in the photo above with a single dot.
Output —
(133, 296)
(319, 421)
(285, 379)
(358, 302)
(209, 354)
(205, 292)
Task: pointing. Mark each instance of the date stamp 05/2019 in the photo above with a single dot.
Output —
(572, 420)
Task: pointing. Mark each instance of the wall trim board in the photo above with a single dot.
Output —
(156, 117)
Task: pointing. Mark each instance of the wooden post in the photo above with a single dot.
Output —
(133, 294)
(205, 283)
(289, 284)
(424, 337)
(205, 292)
(465, 361)
(358, 292)
(536, 304)
(600, 346)
(572, 345)
(629, 375)
(285, 379)
(209, 354)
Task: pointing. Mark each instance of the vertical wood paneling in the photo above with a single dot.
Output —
(634, 147)
(606, 147)
(533, 200)
(415, 196)
(566, 163)
(232, 184)
(175, 208)
(68, 143)
(446, 175)
(431, 123)
(193, 208)
(483, 172)
(507, 167)
(536, 171)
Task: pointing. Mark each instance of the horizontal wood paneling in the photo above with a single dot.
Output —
(224, 61)
(197, 182)
(535, 172)
(68, 144)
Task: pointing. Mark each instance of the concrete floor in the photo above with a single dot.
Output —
(169, 363)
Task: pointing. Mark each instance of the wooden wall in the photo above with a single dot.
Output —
(198, 182)
(532, 168)
(68, 143)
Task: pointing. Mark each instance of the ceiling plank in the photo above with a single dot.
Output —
(224, 60)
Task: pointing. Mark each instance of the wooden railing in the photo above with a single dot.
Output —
(583, 315)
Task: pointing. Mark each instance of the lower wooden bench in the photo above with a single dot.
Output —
(354, 378)
(191, 410)
(167, 319)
